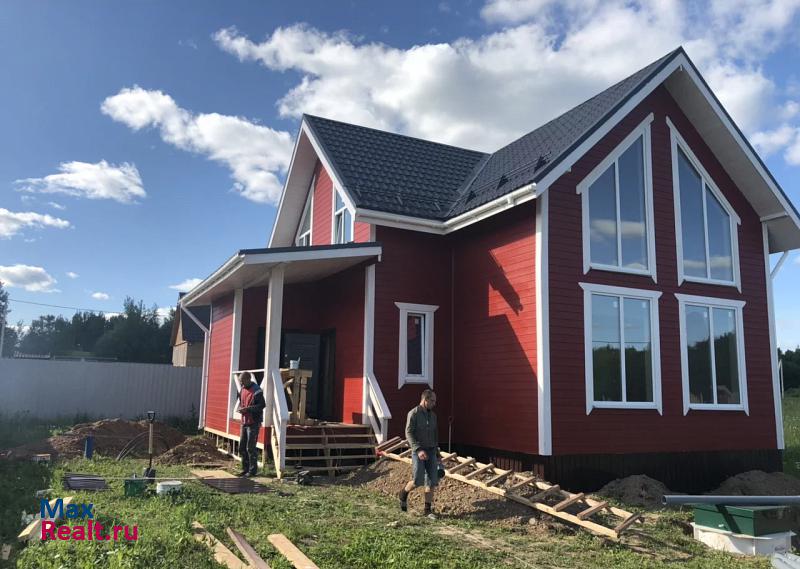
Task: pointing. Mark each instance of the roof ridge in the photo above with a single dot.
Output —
(389, 132)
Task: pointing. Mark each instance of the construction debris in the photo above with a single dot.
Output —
(527, 490)
(74, 481)
(222, 554)
(290, 552)
(33, 530)
(230, 484)
(247, 551)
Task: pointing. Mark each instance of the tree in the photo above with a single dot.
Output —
(136, 335)
(8, 338)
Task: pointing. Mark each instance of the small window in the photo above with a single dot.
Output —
(706, 224)
(306, 221)
(712, 353)
(617, 209)
(342, 221)
(415, 357)
(622, 348)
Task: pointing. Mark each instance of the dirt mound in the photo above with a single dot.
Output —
(110, 437)
(194, 450)
(638, 490)
(453, 498)
(759, 483)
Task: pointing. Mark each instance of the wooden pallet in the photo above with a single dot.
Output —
(577, 509)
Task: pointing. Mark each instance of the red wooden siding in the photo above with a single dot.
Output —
(219, 364)
(416, 269)
(494, 328)
(629, 431)
(323, 207)
(361, 232)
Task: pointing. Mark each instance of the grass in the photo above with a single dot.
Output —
(336, 526)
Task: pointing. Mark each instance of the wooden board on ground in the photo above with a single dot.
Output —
(205, 473)
(247, 551)
(290, 552)
(32, 531)
(464, 469)
(222, 554)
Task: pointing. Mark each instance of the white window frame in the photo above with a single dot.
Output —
(643, 131)
(341, 211)
(655, 345)
(308, 207)
(403, 377)
(710, 303)
(677, 141)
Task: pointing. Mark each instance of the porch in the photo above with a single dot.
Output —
(312, 304)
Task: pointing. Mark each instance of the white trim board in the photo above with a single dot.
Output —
(641, 131)
(773, 347)
(403, 377)
(544, 411)
(621, 293)
(369, 336)
(308, 208)
(712, 302)
(236, 341)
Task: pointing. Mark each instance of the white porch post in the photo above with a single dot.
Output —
(369, 337)
(272, 346)
(236, 337)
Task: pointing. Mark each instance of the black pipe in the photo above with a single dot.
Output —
(672, 499)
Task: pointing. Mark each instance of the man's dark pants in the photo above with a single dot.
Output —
(247, 447)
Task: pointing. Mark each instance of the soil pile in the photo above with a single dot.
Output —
(110, 437)
(638, 490)
(194, 450)
(759, 483)
(453, 498)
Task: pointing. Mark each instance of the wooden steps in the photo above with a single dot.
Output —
(575, 508)
(330, 447)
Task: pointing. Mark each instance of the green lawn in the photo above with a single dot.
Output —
(791, 433)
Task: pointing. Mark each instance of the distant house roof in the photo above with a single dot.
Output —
(191, 331)
(398, 174)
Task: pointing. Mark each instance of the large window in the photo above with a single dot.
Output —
(342, 221)
(706, 231)
(303, 238)
(622, 347)
(712, 353)
(415, 357)
(617, 209)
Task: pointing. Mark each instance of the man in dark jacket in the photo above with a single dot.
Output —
(422, 433)
(251, 408)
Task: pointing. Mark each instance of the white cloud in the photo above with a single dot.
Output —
(100, 296)
(186, 285)
(163, 312)
(30, 278)
(484, 92)
(110, 315)
(57, 206)
(255, 154)
(94, 181)
(12, 222)
(769, 142)
(72, 275)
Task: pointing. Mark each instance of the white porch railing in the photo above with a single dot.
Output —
(377, 410)
(280, 418)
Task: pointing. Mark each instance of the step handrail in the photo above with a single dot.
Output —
(377, 406)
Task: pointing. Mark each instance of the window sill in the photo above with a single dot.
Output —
(623, 406)
(711, 407)
(416, 380)
(699, 280)
(613, 269)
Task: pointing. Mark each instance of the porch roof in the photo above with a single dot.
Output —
(250, 268)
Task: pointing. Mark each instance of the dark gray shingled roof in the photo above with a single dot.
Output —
(399, 174)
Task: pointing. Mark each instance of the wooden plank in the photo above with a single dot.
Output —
(628, 522)
(405, 453)
(33, 531)
(524, 482)
(546, 492)
(395, 446)
(204, 473)
(247, 551)
(290, 552)
(564, 504)
(588, 512)
(222, 554)
(462, 465)
(479, 471)
(497, 479)
(390, 442)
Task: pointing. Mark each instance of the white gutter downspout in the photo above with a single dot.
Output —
(204, 373)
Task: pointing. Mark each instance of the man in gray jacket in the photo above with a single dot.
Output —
(422, 433)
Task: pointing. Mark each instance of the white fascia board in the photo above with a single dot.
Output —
(288, 257)
(228, 267)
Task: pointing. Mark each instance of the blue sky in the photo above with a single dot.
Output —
(144, 142)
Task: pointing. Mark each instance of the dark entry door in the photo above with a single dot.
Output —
(307, 348)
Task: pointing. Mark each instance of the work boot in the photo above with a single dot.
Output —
(429, 511)
(403, 495)
(242, 473)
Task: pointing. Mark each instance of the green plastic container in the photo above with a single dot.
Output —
(135, 486)
(748, 520)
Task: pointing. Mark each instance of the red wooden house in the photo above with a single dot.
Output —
(592, 300)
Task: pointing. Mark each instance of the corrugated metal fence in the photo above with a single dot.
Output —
(49, 389)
